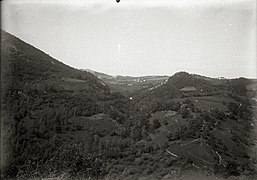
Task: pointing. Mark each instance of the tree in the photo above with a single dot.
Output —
(156, 124)
(233, 107)
(185, 113)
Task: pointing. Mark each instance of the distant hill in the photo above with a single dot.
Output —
(98, 74)
(183, 84)
(128, 84)
(173, 86)
(182, 79)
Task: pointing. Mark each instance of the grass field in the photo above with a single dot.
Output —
(207, 102)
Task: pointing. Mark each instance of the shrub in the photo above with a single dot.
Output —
(165, 122)
(156, 124)
(185, 113)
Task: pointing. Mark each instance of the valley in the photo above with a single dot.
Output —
(128, 84)
(66, 123)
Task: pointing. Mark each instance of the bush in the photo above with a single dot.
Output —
(168, 162)
(156, 124)
(58, 129)
(185, 113)
(166, 122)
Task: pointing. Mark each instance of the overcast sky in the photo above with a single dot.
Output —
(141, 37)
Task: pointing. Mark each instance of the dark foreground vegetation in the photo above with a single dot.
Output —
(57, 121)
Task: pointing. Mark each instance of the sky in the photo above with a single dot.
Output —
(215, 38)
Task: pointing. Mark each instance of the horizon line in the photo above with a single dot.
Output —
(125, 75)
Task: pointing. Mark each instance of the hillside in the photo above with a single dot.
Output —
(174, 86)
(211, 125)
(40, 98)
(24, 63)
(61, 122)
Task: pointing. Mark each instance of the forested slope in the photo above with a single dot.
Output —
(39, 96)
